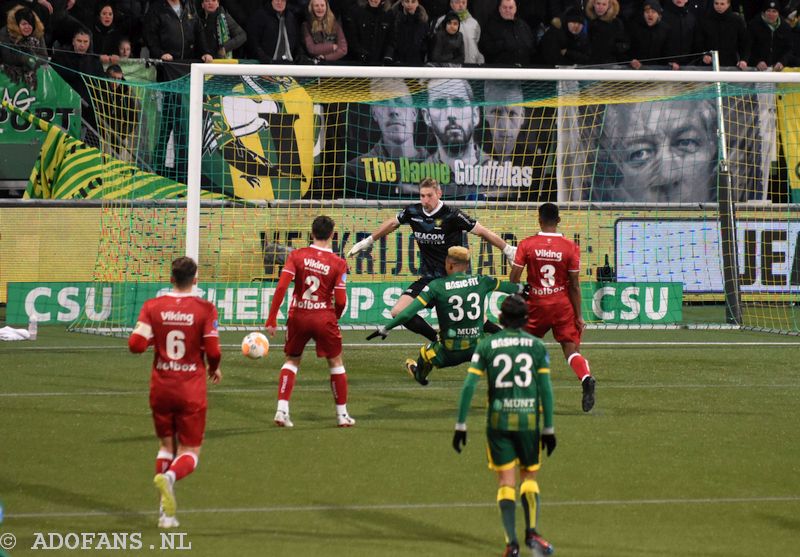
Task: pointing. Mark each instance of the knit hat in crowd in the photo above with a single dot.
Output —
(572, 15)
(653, 4)
(770, 5)
(25, 14)
(450, 16)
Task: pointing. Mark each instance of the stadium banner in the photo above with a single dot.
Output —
(257, 239)
(262, 146)
(768, 253)
(67, 168)
(663, 151)
(789, 128)
(237, 303)
(634, 303)
(249, 303)
(52, 101)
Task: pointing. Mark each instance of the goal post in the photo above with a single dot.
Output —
(667, 181)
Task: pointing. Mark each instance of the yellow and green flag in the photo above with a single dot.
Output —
(68, 168)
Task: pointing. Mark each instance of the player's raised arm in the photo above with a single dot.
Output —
(509, 287)
(388, 226)
(508, 250)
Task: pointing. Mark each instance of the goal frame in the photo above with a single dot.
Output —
(726, 204)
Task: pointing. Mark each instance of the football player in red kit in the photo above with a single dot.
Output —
(319, 299)
(183, 330)
(554, 292)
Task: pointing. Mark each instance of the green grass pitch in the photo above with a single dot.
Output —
(692, 449)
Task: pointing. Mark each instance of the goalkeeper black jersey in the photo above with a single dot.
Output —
(436, 233)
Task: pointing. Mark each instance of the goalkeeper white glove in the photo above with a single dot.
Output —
(366, 243)
(510, 252)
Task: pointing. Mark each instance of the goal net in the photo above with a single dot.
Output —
(677, 191)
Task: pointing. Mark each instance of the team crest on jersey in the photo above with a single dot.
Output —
(215, 324)
(438, 222)
(344, 277)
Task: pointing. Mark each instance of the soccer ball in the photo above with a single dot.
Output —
(255, 346)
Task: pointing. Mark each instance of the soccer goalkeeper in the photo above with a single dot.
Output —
(459, 300)
(437, 227)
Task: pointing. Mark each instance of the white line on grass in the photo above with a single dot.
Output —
(442, 384)
(416, 506)
(615, 344)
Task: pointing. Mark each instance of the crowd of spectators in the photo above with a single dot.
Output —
(547, 33)
(97, 38)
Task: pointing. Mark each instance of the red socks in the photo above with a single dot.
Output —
(579, 365)
(339, 387)
(163, 460)
(183, 465)
(286, 382)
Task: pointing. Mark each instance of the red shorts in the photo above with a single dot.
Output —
(175, 416)
(560, 317)
(323, 327)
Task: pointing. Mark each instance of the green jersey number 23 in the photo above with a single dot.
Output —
(523, 362)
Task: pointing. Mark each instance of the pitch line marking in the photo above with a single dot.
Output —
(443, 384)
(417, 506)
(615, 344)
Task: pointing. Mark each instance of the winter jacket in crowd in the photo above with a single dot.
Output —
(649, 44)
(726, 33)
(447, 48)
(409, 43)
(181, 37)
(25, 53)
(769, 43)
(471, 32)
(560, 47)
(222, 33)
(681, 24)
(319, 44)
(608, 41)
(368, 33)
(507, 42)
(263, 34)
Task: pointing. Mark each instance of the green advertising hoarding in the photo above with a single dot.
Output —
(52, 100)
(118, 304)
(633, 302)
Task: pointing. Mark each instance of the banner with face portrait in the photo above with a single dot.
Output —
(476, 138)
(661, 143)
